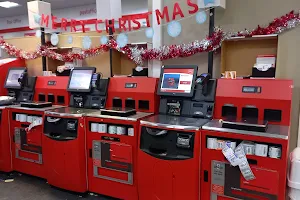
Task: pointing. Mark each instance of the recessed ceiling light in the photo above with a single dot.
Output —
(8, 4)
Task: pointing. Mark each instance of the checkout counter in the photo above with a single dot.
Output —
(112, 136)
(26, 125)
(169, 143)
(64, 131)
(19, 88)
(253, 114)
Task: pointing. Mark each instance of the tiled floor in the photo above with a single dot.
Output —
(30, 188)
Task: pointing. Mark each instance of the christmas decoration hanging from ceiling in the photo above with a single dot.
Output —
(139, 55)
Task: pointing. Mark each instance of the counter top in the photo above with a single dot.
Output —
(137, 116)
(69, 112)
(36, 109)
(273, 131)
(3, 107)
(175, 122)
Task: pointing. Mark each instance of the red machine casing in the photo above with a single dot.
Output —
(229, 91)
(270, 173)
(169, 180)
(27, 148)
(139, 91)
(52, 89)
(65, 161)
(5, 65)
(5, 141)
(115, 173)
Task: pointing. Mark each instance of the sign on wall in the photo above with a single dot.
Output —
(125, 23)
(35, 9)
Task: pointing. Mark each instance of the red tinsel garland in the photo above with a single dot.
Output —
(139, 55)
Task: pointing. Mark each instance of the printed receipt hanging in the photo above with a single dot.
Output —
(37, 122)
(238, 158)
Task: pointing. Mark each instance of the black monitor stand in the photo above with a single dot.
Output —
(200, 105)
(26, 93)
(77, 100)
(95, 99)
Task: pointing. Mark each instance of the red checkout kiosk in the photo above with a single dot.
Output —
(19, 88)
(257, 113)
(64, 131)
(26, 121)
(112, 136)
(169, 143)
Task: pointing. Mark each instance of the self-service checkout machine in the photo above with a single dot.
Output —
(26, 124)
(253, 113)
(64, 131)
(19, 88)
(169, 143)
(112, 136)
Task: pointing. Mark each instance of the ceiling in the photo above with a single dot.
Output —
(55, 4)
(60, 4)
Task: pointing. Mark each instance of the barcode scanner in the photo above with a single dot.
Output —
(23, 79)
(202, 81)
(203, 78)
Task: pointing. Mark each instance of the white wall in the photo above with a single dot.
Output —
(134, 6)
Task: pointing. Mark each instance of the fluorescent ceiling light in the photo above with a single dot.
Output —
(8, 4)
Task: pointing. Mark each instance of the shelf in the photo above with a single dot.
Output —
(239, 53)
(255, 37)
(253, 157)
(61, 48)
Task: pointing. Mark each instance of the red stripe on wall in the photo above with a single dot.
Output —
(19, 29)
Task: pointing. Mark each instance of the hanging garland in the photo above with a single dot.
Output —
(139, 55)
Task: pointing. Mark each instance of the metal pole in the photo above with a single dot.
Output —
(43, 42)
(111, 50)
(211, 30)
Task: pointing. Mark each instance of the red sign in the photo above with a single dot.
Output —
(126, 23)
(185, 82)
(29, 34)
(218, 189)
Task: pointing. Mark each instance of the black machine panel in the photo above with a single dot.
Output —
(36, 104)
(201, 105)
(19, 85)
(122, 112)
(26, 93)
(167, 145)
(121, 162)
(61, 129)
(22, 134)
(96, 99)
(235, 188)
(206, 92)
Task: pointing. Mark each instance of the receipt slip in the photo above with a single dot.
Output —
(238, 158)
(230, 156)
(36, 122)
(244, 165)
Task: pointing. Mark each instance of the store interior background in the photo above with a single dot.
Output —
(239, 14)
